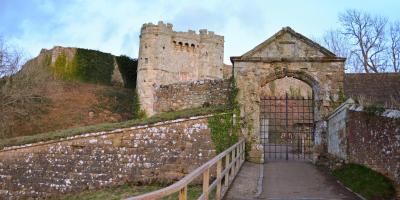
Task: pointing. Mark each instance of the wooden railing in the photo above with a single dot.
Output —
(234, 159)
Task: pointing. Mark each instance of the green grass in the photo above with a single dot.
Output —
(124, 191)
(109, 126)
(366, 182)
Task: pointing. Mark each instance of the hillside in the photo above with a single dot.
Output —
(67, 87)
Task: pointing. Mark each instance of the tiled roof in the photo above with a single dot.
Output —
(378, 88)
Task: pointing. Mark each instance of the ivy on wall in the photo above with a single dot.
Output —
(225, 126)
(60, 67)
(93, 66)
(223, 132)
(138, 113)
(128, 67)
(341, 99)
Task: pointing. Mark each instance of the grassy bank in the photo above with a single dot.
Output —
(109, 126)
(366, 182)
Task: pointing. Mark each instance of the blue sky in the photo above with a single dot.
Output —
(113, 25)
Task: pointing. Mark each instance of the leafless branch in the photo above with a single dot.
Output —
(394, 46)
(368, 34)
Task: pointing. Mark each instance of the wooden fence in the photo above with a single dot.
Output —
(226, 172)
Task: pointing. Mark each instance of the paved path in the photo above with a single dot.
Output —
(287, 180)
(300, 180)
(245, 184)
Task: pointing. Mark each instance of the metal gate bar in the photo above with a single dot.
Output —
(286, 127)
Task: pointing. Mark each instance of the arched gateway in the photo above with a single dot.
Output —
(287, 54)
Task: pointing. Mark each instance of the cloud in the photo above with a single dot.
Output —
(114, 26)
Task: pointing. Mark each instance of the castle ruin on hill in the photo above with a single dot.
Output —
(167, 57)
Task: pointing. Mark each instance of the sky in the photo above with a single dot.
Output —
(114, 25)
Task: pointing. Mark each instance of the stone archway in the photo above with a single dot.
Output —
(287, 122)
(287, 54)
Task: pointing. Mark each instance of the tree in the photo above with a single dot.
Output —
(21, 88)
(10, 59)
(367, 34)
(394, 46)
(339, 44)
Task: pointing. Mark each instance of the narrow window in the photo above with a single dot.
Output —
(187, 46)
(180, 45)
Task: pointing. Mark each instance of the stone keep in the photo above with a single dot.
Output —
(167, 57)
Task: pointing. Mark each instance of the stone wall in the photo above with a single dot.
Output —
(337, 131)
(374, 141)
(368, 139)
(162, 152)
(167, 56)
(191, 95)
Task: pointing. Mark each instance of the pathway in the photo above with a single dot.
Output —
(287, 180)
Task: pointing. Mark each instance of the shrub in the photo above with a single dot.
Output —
(374, 109)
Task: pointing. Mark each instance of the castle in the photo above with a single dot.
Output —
(167, 56)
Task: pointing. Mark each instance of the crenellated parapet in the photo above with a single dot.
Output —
(167, 56)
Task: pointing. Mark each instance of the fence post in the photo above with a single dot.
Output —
(244, 151)
(206, 182)
(227, 172)
(183, 193)
(219, 179)
(238, 155)
(241, 152)
(233, 163)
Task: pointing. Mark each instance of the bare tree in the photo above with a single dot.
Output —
(368, 34)
(10, 59)
(20, 89)
(339, 44)
(394, 46)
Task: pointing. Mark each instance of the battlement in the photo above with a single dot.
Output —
(167, 56)
(166, 28)
(159, 27)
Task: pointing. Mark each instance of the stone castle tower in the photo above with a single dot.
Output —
(167, 56)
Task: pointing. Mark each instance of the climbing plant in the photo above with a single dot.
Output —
(93, 66)
(223, 134)
(225, 126)
(127, 66)
(87, 66)
(137, 111)
(374, 109)
(341, 99)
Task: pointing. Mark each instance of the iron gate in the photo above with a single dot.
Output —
(286, 128)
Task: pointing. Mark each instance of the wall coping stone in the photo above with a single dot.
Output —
(345, 105)
(389, 113)
(94, 134)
